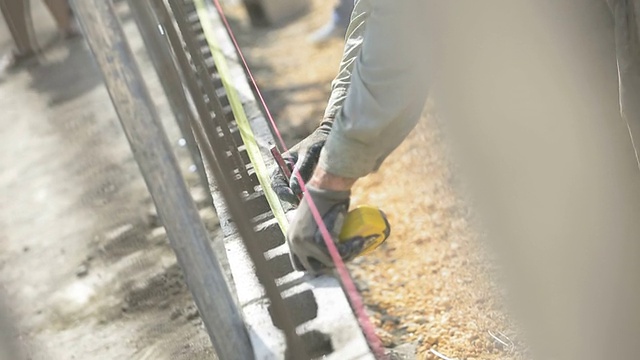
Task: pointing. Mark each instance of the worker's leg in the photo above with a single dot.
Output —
(352, 47)
(15, 13)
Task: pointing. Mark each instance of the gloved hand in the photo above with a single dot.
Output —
(308, 249)
(302, 157)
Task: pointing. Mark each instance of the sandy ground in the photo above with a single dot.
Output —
(85, 267)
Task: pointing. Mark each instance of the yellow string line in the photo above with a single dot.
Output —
(248, 137)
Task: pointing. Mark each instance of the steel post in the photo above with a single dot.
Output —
(162, 60)
(160, 170)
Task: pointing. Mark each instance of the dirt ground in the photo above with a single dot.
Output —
(86, 270)
(85, 267)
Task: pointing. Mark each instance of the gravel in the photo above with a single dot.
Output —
(430, 282)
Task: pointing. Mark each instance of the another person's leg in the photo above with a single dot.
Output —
(15, 15)
(61, 12)
(337, 26)
(342, 13)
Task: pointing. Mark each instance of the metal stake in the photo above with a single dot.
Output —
(160, 55)
(159, 167)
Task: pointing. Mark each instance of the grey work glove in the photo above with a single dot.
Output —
(303, 157)
(308, 249)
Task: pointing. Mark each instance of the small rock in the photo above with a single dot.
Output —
(82, 271)
(192, 313)
(432, 339)
(386, 338)
(403, 352)
(390, 319)
(362, 286)
(158, 236)
(175, 314)
(164, 305)
(412, 327)
(418, 319)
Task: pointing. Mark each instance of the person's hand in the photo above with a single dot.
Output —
(280, 184)
(308, 249)
(303, 158)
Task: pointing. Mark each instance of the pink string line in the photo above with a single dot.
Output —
(350, 288)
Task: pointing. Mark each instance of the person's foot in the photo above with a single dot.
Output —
(71, 33)
(14, 60)
(329, 31)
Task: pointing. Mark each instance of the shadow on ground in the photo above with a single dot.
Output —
(68, 77)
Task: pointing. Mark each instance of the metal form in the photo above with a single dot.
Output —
(159, 167)
(162, 60)
(217, 124)
(223, 144)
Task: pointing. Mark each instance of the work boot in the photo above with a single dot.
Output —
(13, 61)
(329, 31)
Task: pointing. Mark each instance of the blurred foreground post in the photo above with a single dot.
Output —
(529, 90)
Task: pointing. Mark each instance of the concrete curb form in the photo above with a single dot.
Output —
(318, 305)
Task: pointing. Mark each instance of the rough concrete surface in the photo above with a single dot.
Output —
(86, 271)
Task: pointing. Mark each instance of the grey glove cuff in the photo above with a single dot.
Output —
(324, 199)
